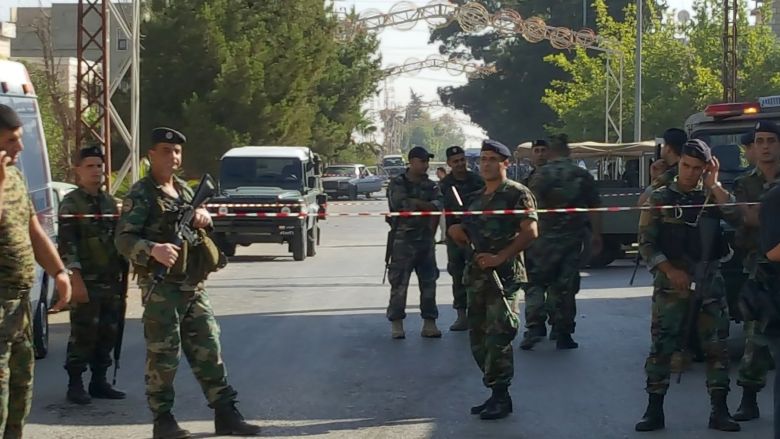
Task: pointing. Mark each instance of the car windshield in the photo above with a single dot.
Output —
(392, 161)
(727, 147)
(339, 171)
(281, 172)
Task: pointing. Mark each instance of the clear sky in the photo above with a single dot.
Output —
(396, 46)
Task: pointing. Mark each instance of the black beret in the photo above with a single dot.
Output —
(420, 153)
(9, 120)
(697, 149)
(536, 143)
(497, 147)
(675, 137)
(167, 135)
(767, 126)
(748, 138)
(454, 150)
(91, 151)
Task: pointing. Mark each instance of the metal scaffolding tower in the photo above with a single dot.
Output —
(729, 72)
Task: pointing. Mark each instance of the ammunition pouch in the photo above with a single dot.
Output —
(203, 259)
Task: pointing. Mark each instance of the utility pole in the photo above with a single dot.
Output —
(638, 74)
(729, 68)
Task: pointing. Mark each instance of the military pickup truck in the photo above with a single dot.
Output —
(269, 180)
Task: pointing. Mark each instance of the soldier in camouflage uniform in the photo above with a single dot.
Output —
(554, 267)
(465, 182)
(413, 243)
(177, 315)
(670, 243)
(499, 241)
(86, 245)
(22, 242)
(538, 159)
(674, 138)
(750, 188)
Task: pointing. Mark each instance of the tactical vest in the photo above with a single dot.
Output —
(100, 260)
(679, 236)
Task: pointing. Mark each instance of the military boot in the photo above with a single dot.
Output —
(748, 408)
(100, 388)
(429, 329)
(532, 336)
(477, 409)
(498, 406)
(653, 419)
(564, 341)
(398, 329)
(166, 427)
(228, 421)
(461, 323)
(720, 419)
(76, 393)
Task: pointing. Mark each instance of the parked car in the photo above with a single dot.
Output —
(350, 181)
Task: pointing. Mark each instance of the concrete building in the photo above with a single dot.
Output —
(7, 33)
(774, 21)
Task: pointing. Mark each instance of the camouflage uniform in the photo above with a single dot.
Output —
(456, 257)
(657, 243)
(413, 247)
(17, 275)
(554, 258)
(757, 359)
(87, 245)
(178, 315)
(492, 326)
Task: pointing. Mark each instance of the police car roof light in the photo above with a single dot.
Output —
(732, 109)
(769, 101)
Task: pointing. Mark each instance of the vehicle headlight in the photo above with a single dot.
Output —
(286, 209)
(223, 210)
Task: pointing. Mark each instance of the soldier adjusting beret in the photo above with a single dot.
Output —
(766, 126)
(454, 150)
(8, 118)
(497, 147)
(420, 153)
(167, 135)
(91, 151)
(698, 149)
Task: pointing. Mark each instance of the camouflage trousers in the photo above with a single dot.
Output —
(176, 320)
(553, 282)
(492, 327)
(667, 328)
(17, 361)
(456, 264)
(757, 359)
(94, 328)
(420, 257)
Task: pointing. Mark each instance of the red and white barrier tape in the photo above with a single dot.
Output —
(436, 213)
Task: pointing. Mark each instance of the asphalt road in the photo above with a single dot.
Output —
(308, 348)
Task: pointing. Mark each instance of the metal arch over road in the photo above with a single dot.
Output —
(474, 17)
(435, 62)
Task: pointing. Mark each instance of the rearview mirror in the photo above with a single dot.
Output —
(312, 182)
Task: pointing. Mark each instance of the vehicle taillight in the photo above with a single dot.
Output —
(736, 109)
(27, 88)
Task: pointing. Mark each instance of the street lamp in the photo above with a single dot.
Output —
(638, 75)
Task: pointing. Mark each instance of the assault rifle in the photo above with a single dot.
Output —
(704, 272)
(476, 246)
(183, 230)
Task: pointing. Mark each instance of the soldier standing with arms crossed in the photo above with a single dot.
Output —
(492, 309)
(413, 243)
(22, 242)
(671, 245)
(555, 256)
(764, 150)
(178, 314)
(86, 246)
(465, 182)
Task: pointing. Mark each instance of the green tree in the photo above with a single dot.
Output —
(264, 73)
(508, 104)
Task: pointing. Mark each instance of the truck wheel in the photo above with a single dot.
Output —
(312, 239)
(298, 244)
(228, 249)
(353, 193)
(41, 329)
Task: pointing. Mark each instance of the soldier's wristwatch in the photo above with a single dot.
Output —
(66, 271)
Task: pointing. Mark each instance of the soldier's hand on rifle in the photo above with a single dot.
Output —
(486, 261)
(201, 219)
(80, 294)
(680, 280)
(458, 235)
(165, 254)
